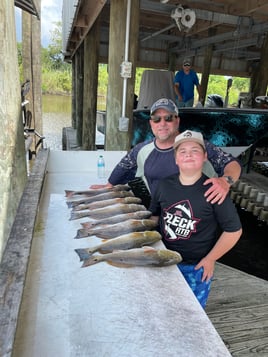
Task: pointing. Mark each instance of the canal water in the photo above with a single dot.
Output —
(251, 252)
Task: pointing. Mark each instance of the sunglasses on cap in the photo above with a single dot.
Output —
(167, 118)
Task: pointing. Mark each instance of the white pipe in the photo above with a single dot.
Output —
(126, 57)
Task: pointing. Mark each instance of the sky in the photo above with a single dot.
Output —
(51, 11)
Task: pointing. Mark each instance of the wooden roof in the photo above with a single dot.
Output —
(28, 6)
(235, 30)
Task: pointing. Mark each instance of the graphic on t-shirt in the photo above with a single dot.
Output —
(179, 222)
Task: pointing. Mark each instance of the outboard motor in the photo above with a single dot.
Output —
(214, 101)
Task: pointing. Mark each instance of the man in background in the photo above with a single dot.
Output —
(184, 82)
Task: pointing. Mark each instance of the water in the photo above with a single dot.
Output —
(57, 111)
(250, 253)
(57, 104)
(57, 114)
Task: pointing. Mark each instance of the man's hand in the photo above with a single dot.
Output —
(218, 191)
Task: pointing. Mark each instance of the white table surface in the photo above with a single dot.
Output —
(101, 310)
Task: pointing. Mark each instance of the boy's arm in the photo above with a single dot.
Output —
(226, 242)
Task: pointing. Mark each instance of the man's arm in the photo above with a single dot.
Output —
(225, 165)
(125, 170)
(177, 91)
(200, 98)
(221, 185)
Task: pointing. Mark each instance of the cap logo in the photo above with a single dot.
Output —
(162, 101)
(187, 134)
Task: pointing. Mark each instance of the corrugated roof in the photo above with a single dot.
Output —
(28, 6)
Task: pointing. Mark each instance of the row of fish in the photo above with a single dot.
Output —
(118, 217)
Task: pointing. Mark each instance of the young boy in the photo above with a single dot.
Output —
(188, 223)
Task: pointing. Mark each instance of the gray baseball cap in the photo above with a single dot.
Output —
(165, 103)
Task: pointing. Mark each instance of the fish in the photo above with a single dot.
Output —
(145, 256)
(108, 231)
(105, 203)
(97, 191)
(109, 211)
(100, 197)
(117, 218)
(123, 242)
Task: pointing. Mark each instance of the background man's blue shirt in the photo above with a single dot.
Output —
(186, 83)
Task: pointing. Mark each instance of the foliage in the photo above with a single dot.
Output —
(19, 50)
(56, 74)
(218, 85)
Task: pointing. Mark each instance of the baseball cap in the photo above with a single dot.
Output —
(165, 103)
(187, 61)
(189, 135)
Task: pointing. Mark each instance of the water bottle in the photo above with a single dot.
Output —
(101, 167)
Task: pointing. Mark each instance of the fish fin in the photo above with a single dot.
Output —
(86, 225)
(119, 265)
(81, 233)
(102, 235)
(83, 253)
(148, 248)
(69, 193)
(102, 251)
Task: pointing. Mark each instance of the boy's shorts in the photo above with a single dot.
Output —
(194, 280)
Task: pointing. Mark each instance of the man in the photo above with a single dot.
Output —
(185, 81)
(154, 160)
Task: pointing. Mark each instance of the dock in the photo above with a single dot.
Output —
(237, 306)
(238, 309)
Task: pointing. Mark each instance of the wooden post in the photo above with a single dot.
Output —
(13, 173)
(31, 58)
(37, 70)
(172, 62)
(133, 51)
(115, 139)
(73, 93)
(260, 82)
(91, 54)
(206, 72)
(206, 68)
(79, 62)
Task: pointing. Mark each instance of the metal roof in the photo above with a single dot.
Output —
(235, 29)
(28, 6)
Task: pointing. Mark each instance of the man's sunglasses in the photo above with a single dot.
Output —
(187, 65)
(167, 118)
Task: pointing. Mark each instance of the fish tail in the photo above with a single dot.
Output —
(83, 254)
(69, 193)
(81, 233)
(74, 215)
(69, 204)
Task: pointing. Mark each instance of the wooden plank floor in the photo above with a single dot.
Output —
(238, 308)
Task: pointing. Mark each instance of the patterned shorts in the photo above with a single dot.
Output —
(193, 277)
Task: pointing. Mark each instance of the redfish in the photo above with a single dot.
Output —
(108, 231)
(123, 242)
(145, 256)
(117, 218)
(104, 212)
(97, 191)
(105, 203)
(100, 197)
